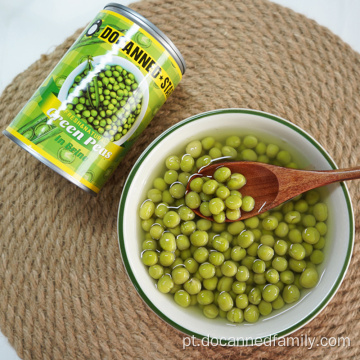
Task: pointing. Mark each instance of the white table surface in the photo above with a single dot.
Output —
(42, 25)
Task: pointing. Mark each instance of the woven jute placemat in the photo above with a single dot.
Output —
(64, 293)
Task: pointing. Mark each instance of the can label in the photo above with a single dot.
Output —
(98, 99)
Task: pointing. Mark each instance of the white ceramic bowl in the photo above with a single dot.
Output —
(99, 62)
(191, 321)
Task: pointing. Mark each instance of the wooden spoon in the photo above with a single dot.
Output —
(272, 185)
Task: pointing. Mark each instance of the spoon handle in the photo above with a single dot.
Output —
(296, 182)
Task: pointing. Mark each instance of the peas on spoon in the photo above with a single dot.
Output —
(271, 185)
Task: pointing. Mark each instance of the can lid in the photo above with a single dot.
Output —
(152, 30)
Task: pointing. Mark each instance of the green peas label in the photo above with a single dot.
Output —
(98, 99)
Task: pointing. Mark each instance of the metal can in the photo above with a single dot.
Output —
(99, 98)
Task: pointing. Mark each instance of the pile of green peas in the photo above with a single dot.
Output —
(112, 106)
(240, 270)
(225, 200)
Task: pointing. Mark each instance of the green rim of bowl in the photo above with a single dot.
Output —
(125, 260)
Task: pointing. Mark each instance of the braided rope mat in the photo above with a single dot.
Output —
(64, 293)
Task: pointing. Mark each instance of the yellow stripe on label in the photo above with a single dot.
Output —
(53, 160)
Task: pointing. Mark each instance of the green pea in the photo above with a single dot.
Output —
(279, 263)
(278, 303)
(160, 210)
(210, 283)
(272, 276)
(208, 142)
(187, 163)
(180, 275)
(229, 152)
(233, 202)
(156, 271)
(225, 283)
(283, 157)
(248, 203)
(235, 315)
(156, 231)
(287, 277)
(221, 244)
(166, 258)
(251, 313)
(297, 251)
(229, 268)
(215, 153)
(236, 228)
(199, 238)
(222, 192)
(312, 197)
(249, 155)
(309, 278)
(186, 213)
(210, 187)
(190, 264)
(149, 245)
(320, 211)
(265, 252)
(295, 236)
(203, 161)
(317, 257)
(167, 242)
(171, 219)
(238, 287)
(147, 224)
(216, 206)
(149, 257)
(292, 217)
(201, 254)
(147, 210)
(258, 266)
(177, 190)
(173, 162)
(301, 206)
(291, 293)
(242, 274)
(220, 218)
(297, 265)
(194, 148)
(192, 200)
(216, 258)
(245, 238)
(171, 176)
(222, 174)
(211, 311)
(311, 235)
(205, 297)
(154, 195)
(236, 181)
(165, 284)
(207, 270)
(270, 293)
(237, 253)
(188, 227)
(225, 301)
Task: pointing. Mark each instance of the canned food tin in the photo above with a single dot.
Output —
(100, 97)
